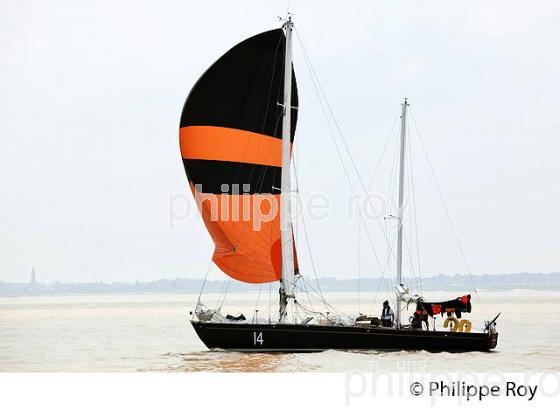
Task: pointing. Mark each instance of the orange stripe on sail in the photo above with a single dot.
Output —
(229, 144)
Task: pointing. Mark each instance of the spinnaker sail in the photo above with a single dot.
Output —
(231, 145)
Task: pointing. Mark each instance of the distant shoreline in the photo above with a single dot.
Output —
(179, 293)
(503, 282)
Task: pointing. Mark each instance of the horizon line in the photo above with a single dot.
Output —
(134, 281)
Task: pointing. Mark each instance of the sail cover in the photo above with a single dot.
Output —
(231, 145)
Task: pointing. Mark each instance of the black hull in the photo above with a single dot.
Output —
(314, 338)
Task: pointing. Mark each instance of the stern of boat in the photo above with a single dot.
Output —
(492, 340)
(492, 333)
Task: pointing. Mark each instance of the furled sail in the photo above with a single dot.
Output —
(231, 144)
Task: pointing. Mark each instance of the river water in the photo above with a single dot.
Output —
(99, 333)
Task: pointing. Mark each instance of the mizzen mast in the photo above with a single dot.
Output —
(400, 213)
(287, 281)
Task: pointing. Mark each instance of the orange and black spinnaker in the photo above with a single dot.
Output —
(231, 144)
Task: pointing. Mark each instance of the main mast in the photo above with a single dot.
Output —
(287, 281)
(400, 213)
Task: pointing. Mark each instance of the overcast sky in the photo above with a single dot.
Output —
(92, 93)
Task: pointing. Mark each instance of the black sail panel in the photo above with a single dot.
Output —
(243, 88)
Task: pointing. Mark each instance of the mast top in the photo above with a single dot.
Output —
(288, 22)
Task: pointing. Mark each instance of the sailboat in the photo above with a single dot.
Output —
(236, 133)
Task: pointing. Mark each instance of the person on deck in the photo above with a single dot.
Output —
(387, 315)
(420, 316)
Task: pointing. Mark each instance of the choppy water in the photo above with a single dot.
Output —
(152, 333)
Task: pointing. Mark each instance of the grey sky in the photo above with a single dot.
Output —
(92, 93)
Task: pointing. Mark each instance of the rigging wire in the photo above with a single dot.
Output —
(319, 88)
(307, 242)
(326, 304)
(410, 259)
(359, 272)
(386, 145)
(269, 302)
(208, 269)
(303, 287)
(304, 282)
(382, 279)
(220, 293)
(415, 217)
(390, 137)
(320, 92)
(445, 207)
(409, 237)
(390, 239)
(257, 303)
(224, 294)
